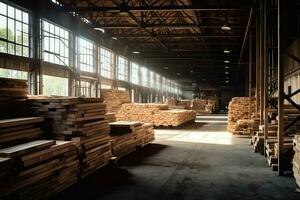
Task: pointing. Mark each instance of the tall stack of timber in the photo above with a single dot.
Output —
(19, 130)
(158, 114)
(111, 117)
(38, 169)
(296, 160)
(127, 136)
(199, 105)
(114, 99)
(239, 109)
(13, 89)
(81, 120)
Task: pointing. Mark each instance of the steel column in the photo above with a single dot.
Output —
(261, 61)
(257, 91)
(280, 86)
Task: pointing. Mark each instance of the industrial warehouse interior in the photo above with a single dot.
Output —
(149, 99)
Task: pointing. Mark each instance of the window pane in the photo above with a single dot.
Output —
(106, 63)
(16, 74)
(55, 85)
(3, 30)
(86, 55)
(11, 11)
(3, 8)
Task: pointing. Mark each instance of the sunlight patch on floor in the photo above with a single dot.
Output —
(218, 137)
(212, 117)
(210, 121)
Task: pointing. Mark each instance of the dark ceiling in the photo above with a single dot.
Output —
(182, 39)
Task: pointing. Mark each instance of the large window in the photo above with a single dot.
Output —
(55, 85)
(152, 79)
(55, 44)
(85, 88)
(14, 31)
(134, 73)
(122, 68)
(145, 77)
(106, 63)
(85, 55)
(16, 74)
(158, 82)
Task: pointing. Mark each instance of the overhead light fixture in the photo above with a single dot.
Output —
(226, 72)
(226, 51)
(99, 29)
(135, 52)
(226, 27)
(166, 67)
(178, 74)
(227, 81)
(226, 67)
(226, 61)
(192, 71)
(114, 38)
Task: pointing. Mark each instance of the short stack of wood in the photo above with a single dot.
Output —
(157, 114)
(81, 120)
(185, 103)
(239, 109)
(32, 168)
(19, 130)
(296, 159)
(127, 136)
(204, 105)
(114, 99)
(13, 89)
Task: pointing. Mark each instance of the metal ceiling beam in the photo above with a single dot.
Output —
(126, 8)
(166, 26)
(187, 35)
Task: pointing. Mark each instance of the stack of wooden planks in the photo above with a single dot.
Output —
(296, 159)
(127, 136)
(81, 120)
(199, 105)
(13, 89)
(186, 103)
(114, 99)
(158, 114)
(111, 117)
(239, 108)
(19, 130)
(172, 102)
(38, 169)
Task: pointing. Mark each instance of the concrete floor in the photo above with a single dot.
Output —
(199, 161)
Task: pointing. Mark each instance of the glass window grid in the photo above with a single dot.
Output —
(145, 77)
(106, 63)
(122, 68)
(85, 55)
(158, 82)
(15, 74)
(15, 29)
(55, 43)
(85, 88)
(135, 73)
(55, 85)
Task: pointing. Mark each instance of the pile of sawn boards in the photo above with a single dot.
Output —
(13, 89)
(32, 168)
(296, 160)
(126, 136)
(81, 120)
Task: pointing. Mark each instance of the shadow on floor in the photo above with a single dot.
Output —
(137, 157)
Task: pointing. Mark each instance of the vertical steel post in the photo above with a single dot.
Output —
(250, 71)
(257, 62)
(261, 62)
(280, 85)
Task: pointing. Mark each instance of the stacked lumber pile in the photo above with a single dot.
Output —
(172, 102)
(199, 105)
(114, 99)
(246, 126)
(13, 89)
(38, 169)
(175, 117)
(111, 117)
(296, 159)
(157, 114)
(19, 130)
(185, 103)
(127, 136)
(239, 108)
(81, 120)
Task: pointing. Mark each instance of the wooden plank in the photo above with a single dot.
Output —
(19, 121)
(26, 148)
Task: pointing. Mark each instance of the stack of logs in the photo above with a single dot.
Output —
(239, 109)
(126, 136)
(33, 168)
(296, 160)
(158, 114)
(81, 120)
(114, 99)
